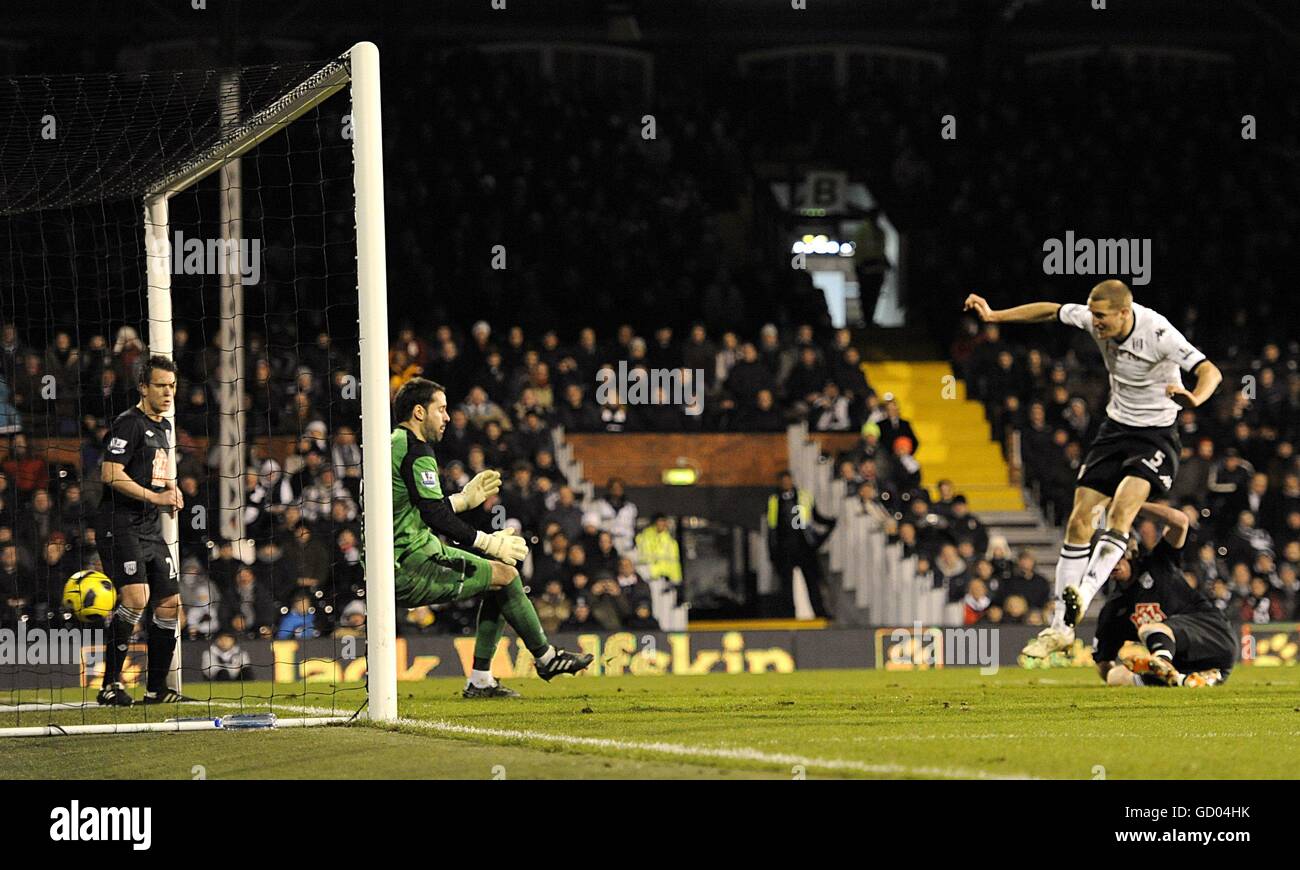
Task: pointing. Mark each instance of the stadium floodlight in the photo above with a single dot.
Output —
(101, 178)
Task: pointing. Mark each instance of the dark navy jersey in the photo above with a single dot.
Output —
(1155, 592)
(140, 445)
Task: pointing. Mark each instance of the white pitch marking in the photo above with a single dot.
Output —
(737, 753)
(1118, 735)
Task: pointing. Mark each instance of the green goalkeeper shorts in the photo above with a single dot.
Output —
(441, 576)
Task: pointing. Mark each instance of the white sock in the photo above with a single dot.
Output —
(1069, 571)
(481, 679)
(1110, 548)
(545, 658)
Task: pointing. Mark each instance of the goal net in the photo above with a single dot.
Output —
(232, 222)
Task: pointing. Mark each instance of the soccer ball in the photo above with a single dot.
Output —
(90, 596)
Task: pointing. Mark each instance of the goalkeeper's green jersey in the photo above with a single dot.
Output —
(415, 479)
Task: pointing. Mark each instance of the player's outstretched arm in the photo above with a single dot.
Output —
(1208, 378)
(1176, 522)
(1033, 312)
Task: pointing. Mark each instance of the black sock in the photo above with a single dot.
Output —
(162, 643)
(482, 664)
(1161, 644)
(117, 639)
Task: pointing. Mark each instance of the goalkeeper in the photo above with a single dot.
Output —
(429, 572)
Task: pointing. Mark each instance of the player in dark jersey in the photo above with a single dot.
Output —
(138, 484)
(1155, 629)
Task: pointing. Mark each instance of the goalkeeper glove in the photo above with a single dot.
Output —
(503, 546)
(485, 483)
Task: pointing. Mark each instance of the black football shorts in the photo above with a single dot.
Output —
(1121, 451)
(1203, 641)
(130, 557)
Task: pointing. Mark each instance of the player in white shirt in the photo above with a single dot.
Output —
(1135, 455)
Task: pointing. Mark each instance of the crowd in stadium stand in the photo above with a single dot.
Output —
(302, 510)
(1238, 481)
(518, 386)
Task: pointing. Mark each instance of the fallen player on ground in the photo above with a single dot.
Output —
(1155, 629)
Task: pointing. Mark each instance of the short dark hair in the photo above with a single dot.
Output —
(156, 361)
(416, 391)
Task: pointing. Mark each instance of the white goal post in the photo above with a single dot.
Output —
(372, 285)
(359, 69)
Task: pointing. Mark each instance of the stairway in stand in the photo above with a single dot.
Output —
(956, 442)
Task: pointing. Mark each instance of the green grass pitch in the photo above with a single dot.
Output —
(816, 724)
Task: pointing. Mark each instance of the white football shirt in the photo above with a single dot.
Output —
(1140, 365)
